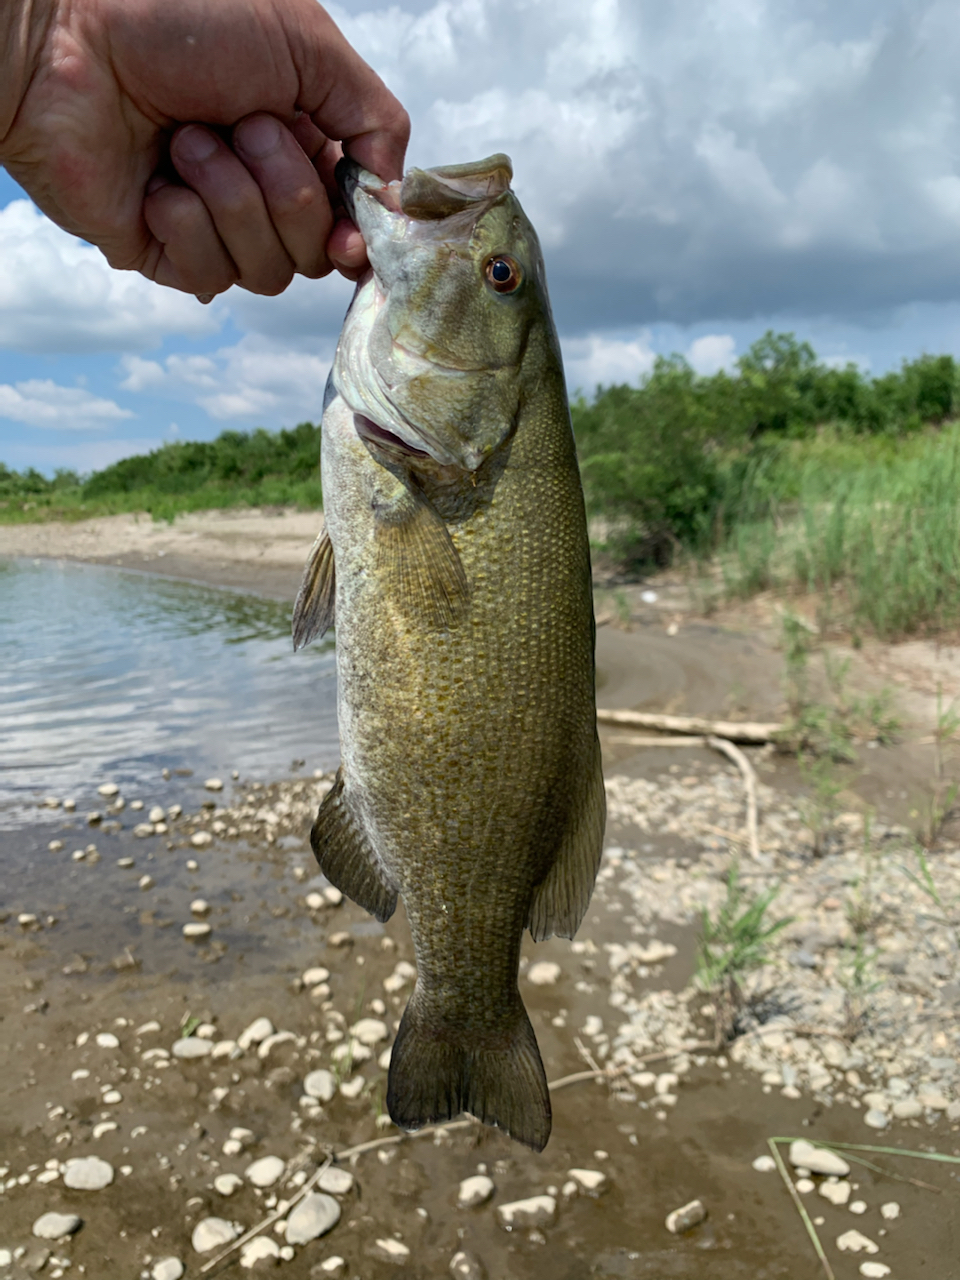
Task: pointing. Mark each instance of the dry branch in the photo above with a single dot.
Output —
(734, 731)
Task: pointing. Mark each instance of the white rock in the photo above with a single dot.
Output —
(389, 1250)
(6, 1257)
(837, 1193)
(876, 1118)
(224, 1048)
(258, 1030)
(537, 1211)
(270, 1043)
(592, 1181)
(108, 789)
(145, 883)
(932, 1097)
(191, 1047)
(764, 1164)
(265, 1171)
(805, 1185)
(200, 839)
(874, 1269)
(232, 1147)
(656, 952)
(544, 973)
(87, 1173)
(685, 1217)
(333, 1264)
(335, 1180)
(332, 896)
(107, 1040)
(315, 901)
(214, 784)
(854, 1242)
(645, 1080)
(907, 1109)
(225, 1184)
(206, 1031)
(804, 1155)
(370, 1031)
(199, 929)
(314, 1216)
(141, 831)
(320, 1084)
(353, 1088)
(313, 977)
(463, 1266)
(474, 1191)
(200, 907)
(593, 1026)
(167, 1269)
(890, 1210)
(858, 1206)
(211, 1233)
(148, 1028)
(52, 1226)
(112, 1097)
(259, 1249)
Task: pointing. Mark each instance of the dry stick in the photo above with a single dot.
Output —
(749, 781)
(734, 731)
(798, 1205)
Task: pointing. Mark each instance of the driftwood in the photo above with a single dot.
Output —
(732, 730)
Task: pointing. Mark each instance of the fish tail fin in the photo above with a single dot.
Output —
(438, 1070)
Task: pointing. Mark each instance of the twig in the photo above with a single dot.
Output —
(749, 781)
(657, 740)
(745, 731)
(798, 1205)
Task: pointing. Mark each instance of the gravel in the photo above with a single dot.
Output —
(167, 1269)
(536, 1211)
(265, 1171)
(87, 1173)
(314, 1216)
(54, 1226)
(213, 1233)
(475, 1191)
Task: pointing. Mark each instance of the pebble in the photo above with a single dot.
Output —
(314, 1216)
(388, 1250)
(53, 1226)
(259, 1249)
(876, 1118)
(279, 1037)
(157, 814)
(858, 1206)
(112, 1097)
(874, 1269)
(126, 863)
(108, 789)
(145, 882)
(475, 1191)
(211, 1233)
(167, 1269)
(689, 1215)
(805, 1185)
(214, 784)
(537, 1211)
(854, 1242)
(804, 1155)
(200, 839)
(192, 866)
(335, 1180)
(315, 901)
(352, 1088)
(200, 907)
(258, 1030)
(198, 929)
(107, 1040)
(591, 1181)
(890, 1210)
(265, 1171)
(314, 977)
(191, 1047)
(544, 973)
(464, 1266)
(320, 1084)
(87, 1173)
(837, 1193)
(225, 1184)
(764, 1164)
(907, 1109)
(333, 1264)
(370, 1031)
(142, 830)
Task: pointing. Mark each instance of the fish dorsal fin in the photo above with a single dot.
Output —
(417, 561)
(561, 898)
(449, 189)
(346, 856)
(313, 611)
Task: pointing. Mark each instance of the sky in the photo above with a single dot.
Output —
(697, 173)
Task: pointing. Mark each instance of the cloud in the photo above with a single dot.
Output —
(42, 403)
(712, 352)
(257, 381)
(600, 360)
(58, 294)
(717, 160)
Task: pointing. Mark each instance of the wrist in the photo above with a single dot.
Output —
(23, 30)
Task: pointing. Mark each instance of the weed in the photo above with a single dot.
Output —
(923, 879)
(938, 806)
(736, 942)
(820, 807)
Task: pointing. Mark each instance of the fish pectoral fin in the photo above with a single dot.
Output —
(417, 561)
(313, 611)
(347, 858)
(438, 1070)
(561, 898)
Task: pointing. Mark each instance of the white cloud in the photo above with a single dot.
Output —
(600, 360)
(712, 352)
(258, 381)
(42, 403)
(58, 294)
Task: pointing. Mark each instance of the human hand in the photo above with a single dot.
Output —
(96, 108)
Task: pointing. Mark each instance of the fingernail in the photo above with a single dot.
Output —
(259, 137)
(206, 298)
(195, 144)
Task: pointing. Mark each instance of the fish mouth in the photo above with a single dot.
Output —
(371, 433)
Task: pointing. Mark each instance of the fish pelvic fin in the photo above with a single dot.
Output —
(418, 562)
(347, 858)
(437, 1071)
(561, 898)
(313, 611)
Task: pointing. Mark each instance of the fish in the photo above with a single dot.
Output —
(454, 563)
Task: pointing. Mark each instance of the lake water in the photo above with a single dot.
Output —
(111, 675)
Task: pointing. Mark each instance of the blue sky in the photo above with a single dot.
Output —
(698, 173)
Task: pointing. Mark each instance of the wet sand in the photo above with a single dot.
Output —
(105, 956)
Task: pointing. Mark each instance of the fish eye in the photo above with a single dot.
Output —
(503, 274)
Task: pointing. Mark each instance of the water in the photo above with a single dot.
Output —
(108, 674)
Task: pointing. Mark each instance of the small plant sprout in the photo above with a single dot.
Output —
(732, 945)
(938, 805)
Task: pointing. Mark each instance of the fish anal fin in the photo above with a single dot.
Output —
(418, 562)
(313, 611)
(561, 898)
(346, 857)
(437, 1071)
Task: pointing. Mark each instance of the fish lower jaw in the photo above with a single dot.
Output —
(372, 433)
